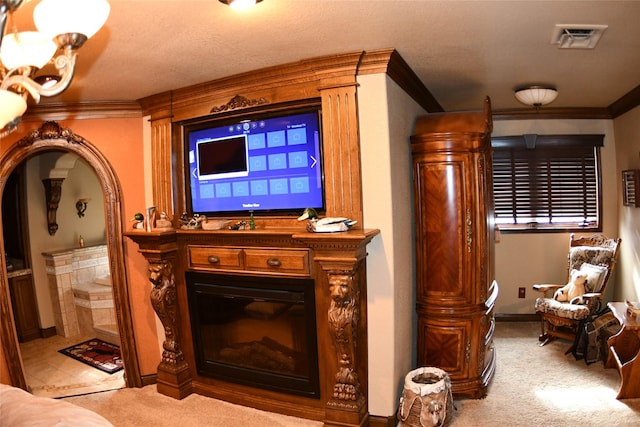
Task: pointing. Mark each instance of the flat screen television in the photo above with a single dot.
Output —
(265, 163)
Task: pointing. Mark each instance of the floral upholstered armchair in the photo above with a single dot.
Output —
(593, 255)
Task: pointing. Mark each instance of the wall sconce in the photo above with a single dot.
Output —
(81, 206)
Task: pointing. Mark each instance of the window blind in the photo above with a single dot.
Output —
(547, 181)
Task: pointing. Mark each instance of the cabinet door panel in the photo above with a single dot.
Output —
(444, 345)
(441, 230)
(24, 308)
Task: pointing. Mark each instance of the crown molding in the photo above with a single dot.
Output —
(551, 113)
(82, 110)
(390, 62)
(626, 103)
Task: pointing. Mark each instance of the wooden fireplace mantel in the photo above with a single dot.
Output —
(336, 262)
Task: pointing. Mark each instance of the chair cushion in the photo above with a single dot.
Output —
(561, 309)
(595, 276)
(594, 255)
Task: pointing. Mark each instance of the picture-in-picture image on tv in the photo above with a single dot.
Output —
(262, 164)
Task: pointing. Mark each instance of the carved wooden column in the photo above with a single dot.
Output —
(159, 249)
(340, 130)
(161, 159)
(342, 280)
(344, 316)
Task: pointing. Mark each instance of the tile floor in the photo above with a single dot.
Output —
(51, 374)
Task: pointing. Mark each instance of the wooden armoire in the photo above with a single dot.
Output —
(456, 291)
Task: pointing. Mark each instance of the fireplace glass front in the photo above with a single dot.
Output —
(256, 331)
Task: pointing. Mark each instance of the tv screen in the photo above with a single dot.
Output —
(264, 164)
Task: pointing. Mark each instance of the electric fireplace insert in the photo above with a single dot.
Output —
(255, 331)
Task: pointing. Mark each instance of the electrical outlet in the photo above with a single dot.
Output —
(521, 292)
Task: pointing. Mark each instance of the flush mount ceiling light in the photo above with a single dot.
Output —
(240, 4)
(63, 25)
(536, 96)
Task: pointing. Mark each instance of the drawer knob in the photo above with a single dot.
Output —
(213, 259)
(274, 262)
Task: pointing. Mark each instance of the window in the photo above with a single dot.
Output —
(547, 182)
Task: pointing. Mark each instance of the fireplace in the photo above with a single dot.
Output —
(256, 331)
(296, 296)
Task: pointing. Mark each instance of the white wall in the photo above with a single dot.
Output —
(627, 128)
(524, 259)
(387, 116)
(80, 182)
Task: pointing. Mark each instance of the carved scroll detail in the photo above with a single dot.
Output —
(343, 324)
(164, 301)
(52, 194)
(238, 101)
(52, 130)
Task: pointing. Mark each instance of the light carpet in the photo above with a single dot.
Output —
(532, 386)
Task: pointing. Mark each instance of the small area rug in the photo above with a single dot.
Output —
(96, 353)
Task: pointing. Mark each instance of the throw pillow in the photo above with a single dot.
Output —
(595, 276)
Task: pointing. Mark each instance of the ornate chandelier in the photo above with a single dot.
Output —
(63, 25)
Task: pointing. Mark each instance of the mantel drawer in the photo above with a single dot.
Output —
(215, 258)
(288, 261)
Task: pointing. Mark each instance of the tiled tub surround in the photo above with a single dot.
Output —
(95, 310)
(79, 283)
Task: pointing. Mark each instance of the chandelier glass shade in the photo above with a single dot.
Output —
(536, 96)
(63, 27)
(12, 106)
(26, 49)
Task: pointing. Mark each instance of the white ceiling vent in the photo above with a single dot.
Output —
(575, 36)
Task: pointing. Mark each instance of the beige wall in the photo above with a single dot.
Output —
(80, 182)
(524, 259)
(387, 117)
(627, 128)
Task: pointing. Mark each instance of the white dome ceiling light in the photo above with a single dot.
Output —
(536, 95)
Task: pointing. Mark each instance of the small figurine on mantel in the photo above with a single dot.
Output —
(325, 225)
(163, 221)
(193, 223)
(138, 221)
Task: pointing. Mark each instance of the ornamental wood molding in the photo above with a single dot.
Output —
(162, 168)
(51, 136)
(159, 249)
(52, 193)
(337, 266)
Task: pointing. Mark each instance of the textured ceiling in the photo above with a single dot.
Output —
(461, 50)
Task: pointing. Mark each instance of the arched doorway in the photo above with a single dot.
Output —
(50, 136)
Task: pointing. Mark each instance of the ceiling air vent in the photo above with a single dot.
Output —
(577, 36)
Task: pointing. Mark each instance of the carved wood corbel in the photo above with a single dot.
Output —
(159, 249)
(163, 300)
(347, 403)
(341, 273)
(343, 316)
(52, 194)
